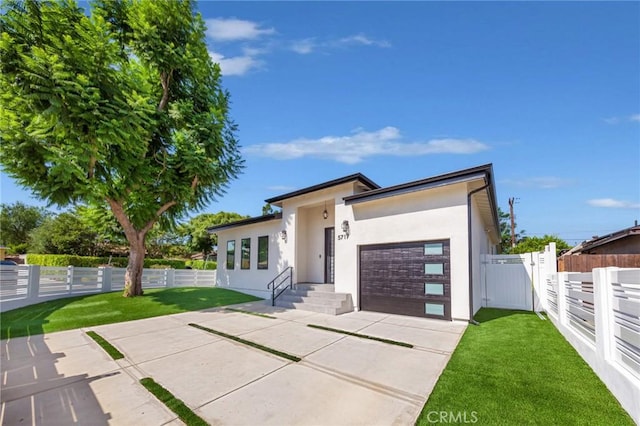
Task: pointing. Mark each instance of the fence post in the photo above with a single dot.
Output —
(562, 298)
(70, 279)
(169, 277)
(33, 282)
(105, 274)
(602, 305)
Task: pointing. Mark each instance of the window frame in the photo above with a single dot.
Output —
(231, 254)
(263, 263)
(246, 251)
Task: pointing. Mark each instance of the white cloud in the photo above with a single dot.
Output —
(364, 40)
(237, 65)
(361, 144)
(613, 203)
(232, 29)
(312, 44)
(541, 182)
(304, 47)
(618, 120)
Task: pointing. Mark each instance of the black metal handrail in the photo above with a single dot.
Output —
(283, 277)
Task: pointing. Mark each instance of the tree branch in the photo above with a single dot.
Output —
(165, 80)
(121, 217)
(194, 183)
(161, 210)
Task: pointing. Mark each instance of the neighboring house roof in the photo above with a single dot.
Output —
(595, 242)
(359, 177)
(251, 220)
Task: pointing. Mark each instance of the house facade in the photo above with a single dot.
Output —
(411, 249)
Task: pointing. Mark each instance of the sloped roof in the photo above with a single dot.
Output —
(605, 239)
(359, 177)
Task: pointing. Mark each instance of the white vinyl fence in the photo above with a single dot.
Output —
(599, 314)
(25, 285)
(513, 281)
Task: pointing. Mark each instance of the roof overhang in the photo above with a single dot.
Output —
(483, 175)
(244, 222)
(357, 177)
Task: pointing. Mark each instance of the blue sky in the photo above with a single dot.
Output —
(548, 92)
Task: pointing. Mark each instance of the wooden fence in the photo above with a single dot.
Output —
(588, 262)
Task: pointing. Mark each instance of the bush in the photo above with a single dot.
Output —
(94, 262)
(18, 248)
(199, 264)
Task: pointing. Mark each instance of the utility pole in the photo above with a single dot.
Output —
(513, 222)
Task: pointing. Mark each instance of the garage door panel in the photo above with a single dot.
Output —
(409, 278)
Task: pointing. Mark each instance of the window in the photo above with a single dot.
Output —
(435, 289)
(433, 249)
(231, 254)
(434, 309)
(263, 252)
(245, 250)
(434, 268)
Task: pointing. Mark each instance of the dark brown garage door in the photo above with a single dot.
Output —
(412, 278)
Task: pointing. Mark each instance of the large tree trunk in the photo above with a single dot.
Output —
(133, 276)
(136, 239)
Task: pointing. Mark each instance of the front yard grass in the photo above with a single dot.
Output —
(515, 369)
(107, 308)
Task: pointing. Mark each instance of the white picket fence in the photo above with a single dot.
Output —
(26, 285)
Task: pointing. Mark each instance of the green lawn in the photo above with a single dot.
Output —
(107, 308)
(515, 369)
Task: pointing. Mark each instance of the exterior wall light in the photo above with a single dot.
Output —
(325, 213)
(283, 235)
(345, 227)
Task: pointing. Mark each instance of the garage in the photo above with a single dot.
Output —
(408, 278)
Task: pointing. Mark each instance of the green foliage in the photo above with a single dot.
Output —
(16, 222)
(200, 264)
(505, 231)
(531, 244)
(64, 234)
(198, 239)
(93, 261)
(267, 209)
(121, 108)
(18, 248)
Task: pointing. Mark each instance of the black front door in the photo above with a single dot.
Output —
(329, 255)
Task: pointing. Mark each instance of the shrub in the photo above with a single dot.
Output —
(94, 262)
(199, 264)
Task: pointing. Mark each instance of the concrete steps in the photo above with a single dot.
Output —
(316, 298)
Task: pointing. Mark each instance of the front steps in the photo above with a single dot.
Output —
(320, 298)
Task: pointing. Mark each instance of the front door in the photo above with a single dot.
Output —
(329, 255)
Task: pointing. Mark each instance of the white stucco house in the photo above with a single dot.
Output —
(411, 249)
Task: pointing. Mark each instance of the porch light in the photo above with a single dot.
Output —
(325, 213)
(283, 235)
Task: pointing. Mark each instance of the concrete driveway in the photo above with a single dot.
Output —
(66, 378)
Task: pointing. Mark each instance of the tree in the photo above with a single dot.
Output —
(531, 244)
(16, 221)
(267, 209)
(64, 234)
(122, 109)
(198, 239)
(505, 232)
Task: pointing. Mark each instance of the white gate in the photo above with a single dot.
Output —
(508, 281)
